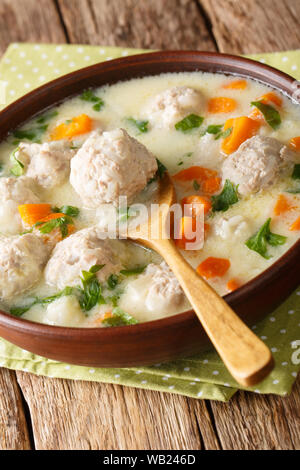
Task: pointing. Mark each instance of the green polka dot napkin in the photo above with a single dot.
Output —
(26, 66)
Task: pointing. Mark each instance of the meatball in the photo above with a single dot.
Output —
(257, 163)
(173, 104)
(48, 164)
(14, 191)
(156, 291)
(79, 252)
(111, 165)
(22, 260)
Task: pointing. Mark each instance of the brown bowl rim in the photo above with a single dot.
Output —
(263, 279)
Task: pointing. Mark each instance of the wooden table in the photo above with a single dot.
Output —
(42, 413)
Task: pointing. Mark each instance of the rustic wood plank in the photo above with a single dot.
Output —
(87, 415)
(29, 21)
(159, 24)
(13, 428)
(253, 26)
(254, 422)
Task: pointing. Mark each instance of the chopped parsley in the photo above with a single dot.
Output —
(91, 291)
(196, 185)
(89, 95)
(133, 271)
(140, 124)
(61, 223)
(259, 241)
(46, 117)
(18, 311)
(119, 318)
(226, 198)
(38, 128)
(188, 123)
(271, 114)
(293, 190)
(18, 167)
(112, 281)
(217, 131)
(296, 172)
(71, 211)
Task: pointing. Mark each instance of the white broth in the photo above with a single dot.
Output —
(139, 286)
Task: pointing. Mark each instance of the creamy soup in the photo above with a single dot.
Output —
(232, 148)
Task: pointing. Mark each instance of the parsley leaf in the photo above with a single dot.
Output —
(196, 185)
(133, 271)
(188, 123)
(71, 211)
(18, 311)
(119, 318)
(271, 114)
(89, 95)
(260, 240)
(161, 169)
(140, 124)
(61, 223)
(293, 191)
(296, 172)
(18, 167)
(112, 281)
(226, 198)
(46, 117)
(91, 291)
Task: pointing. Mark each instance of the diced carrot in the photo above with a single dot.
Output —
(267, 98)
(198, 203)
(236, 85)
(271, 97)
(195, 173)
(78, 125)
(206, 229)
(295, 225)
(294, 143)
(187, 232)
(232, 285)
(282, 205)
(242, 129)
(32, 213)
(53, 215)
(221, 104)
(211, 185)
(213, 267)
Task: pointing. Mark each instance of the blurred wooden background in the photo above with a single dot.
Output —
(42, 413)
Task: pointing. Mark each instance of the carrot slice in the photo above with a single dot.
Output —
(197, 203)
(295, 225)
(282, 205)
(232, 285)
(236, 85)
(271, 97)
(78, 125)
(186, 229)
(294, 143)
(221, 104)
(242, 129)
(194, 173)
(211, 185)
(53, 215)
(213, 267)
(32, 213)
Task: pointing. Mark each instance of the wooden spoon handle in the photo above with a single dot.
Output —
(246, 357)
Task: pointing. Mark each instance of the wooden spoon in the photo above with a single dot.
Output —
(246, 357)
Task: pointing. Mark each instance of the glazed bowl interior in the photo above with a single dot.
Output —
(181, 334)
